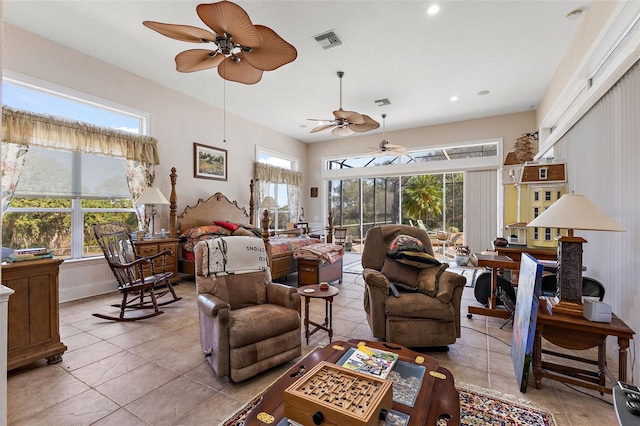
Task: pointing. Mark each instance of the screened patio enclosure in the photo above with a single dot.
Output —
(434, 201)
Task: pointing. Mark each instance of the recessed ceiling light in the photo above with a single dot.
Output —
(483, 92)
(433, 9)
(454, 98)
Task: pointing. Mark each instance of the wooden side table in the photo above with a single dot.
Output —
(578, 333)
(313, 291)
(157, 245)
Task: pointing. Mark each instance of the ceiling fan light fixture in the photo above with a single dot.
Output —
(251, 48)
(346, 123)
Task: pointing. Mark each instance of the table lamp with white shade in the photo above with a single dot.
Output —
(152, 196)
(571, 212)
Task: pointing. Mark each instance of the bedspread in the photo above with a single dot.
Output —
(279, 245)
(325, 251)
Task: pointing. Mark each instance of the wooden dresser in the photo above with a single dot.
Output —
(153, 246)
(34, 321)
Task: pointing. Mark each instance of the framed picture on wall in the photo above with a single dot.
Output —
(209, 162)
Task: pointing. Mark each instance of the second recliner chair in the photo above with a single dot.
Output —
(413, 318)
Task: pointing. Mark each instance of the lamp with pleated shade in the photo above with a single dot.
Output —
(152, 196)
(571, 212)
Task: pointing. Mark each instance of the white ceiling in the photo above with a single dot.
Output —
(391, 49)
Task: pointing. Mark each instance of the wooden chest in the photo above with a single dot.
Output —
(337, 396)
(317, 271)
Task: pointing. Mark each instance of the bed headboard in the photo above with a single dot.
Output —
(216, 207)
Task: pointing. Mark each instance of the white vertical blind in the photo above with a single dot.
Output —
(481, 209)
(602, 152)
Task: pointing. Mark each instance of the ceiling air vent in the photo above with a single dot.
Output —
(328, 40)
(383, 102)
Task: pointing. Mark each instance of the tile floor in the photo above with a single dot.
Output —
(152, 372)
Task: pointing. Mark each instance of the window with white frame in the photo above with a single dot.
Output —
(60, 194)
(536, 234)
(536, 196)
(536, 212)
(547, 234)
(543, 173)
(547, 195)
(285, 195)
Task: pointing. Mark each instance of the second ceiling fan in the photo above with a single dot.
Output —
(386, 148)
(346, 123)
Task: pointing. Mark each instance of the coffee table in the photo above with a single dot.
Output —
(437, 398)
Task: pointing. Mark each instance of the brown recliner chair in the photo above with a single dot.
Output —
(248, 324)
(413, 319)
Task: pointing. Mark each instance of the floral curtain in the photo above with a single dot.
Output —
(139, 176)
(12, 161)
(266, 174)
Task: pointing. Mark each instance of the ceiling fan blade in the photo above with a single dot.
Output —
(197, 60)
(182, 32)
(350, 116)
(342, 131)
(228, 18)
(400, 150)
(274, 52)
(369, 124)
(321, 120)
(392, 146)
(379, 154)
(322, 127)
(241, 71)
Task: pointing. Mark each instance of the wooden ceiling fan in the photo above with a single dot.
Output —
(386, 148)
(346, 123)
(241, 51)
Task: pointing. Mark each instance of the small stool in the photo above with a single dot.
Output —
(313, 291)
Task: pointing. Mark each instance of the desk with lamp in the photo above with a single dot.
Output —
(566, 324)
(153, 243)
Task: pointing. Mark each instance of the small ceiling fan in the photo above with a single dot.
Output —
(386, 148)
(346, 123)
(241, 50)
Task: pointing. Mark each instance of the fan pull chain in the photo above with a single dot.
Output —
(224, 109)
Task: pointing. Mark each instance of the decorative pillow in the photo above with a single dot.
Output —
(402, 275)
(198, 231)
(242, 290)
(227, 225)
(428, 281)
(405, 243)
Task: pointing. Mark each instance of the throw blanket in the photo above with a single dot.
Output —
(234, 255)
(324, 251)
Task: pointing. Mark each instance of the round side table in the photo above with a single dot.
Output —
(313, 291)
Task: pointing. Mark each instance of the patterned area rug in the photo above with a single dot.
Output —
(478, 407)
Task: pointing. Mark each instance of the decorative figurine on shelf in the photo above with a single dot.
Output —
(301, 218)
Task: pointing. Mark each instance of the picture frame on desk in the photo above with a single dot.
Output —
(525, 316)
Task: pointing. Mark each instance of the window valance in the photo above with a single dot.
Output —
(268, 173)
(30, 129)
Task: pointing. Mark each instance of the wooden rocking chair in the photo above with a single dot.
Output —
(136, 275)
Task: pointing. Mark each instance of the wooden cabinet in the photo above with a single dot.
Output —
(317, 271)
(151, 247)
(34, 322)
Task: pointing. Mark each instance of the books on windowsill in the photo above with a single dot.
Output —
(21, 255)
(372, 361)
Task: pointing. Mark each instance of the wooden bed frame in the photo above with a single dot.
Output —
(219, 207)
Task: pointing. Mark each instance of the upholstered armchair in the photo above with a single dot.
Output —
(426, 310)
(248, 324)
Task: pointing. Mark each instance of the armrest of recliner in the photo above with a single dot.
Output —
(211, 305)
(377, 288)
(283, 295)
